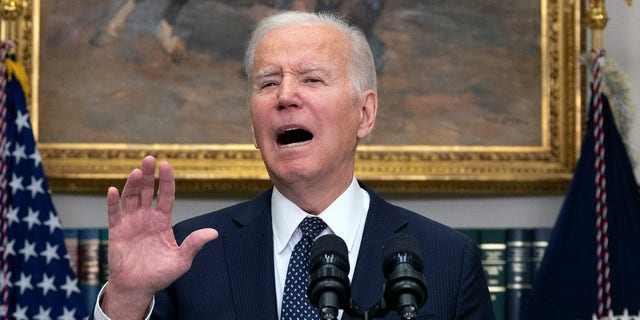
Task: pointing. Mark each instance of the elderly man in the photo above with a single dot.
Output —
(313, 99)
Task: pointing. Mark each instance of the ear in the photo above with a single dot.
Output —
(368, 110)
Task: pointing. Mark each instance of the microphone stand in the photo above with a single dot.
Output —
(378, 310)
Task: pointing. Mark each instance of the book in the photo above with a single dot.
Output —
(518, 270)
(493, 255)
(89, 264)
(540, 242)
(103, 256)
(71, 243)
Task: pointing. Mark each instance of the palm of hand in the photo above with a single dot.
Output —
(143, 254)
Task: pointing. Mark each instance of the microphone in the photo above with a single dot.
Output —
(406, 289)
(328, 288)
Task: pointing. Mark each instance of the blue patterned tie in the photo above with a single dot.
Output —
(295, 304)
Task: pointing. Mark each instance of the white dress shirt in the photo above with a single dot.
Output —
(345, 217)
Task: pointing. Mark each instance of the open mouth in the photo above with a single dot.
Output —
(293, 137)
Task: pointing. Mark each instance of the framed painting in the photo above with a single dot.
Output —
(474, 96)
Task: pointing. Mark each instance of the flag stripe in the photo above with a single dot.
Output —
(4, 195)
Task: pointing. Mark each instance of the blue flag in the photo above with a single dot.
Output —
(591, 268)
(36, 280)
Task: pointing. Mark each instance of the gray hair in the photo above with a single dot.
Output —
(362, 71)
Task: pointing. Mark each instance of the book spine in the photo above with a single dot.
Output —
(89, 265)
(103, 258)
(71, 243)
(540, 243)
(519, 281)
(493, 254)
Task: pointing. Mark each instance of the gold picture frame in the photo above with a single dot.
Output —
(507, 169)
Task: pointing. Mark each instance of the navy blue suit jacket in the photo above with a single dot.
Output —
(232, 277)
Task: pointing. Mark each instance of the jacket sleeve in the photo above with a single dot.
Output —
(474, 299)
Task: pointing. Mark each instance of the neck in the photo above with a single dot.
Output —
(314, 197)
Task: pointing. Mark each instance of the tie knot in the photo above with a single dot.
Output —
(311, 227)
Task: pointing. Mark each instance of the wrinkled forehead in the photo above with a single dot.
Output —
(308, 35)
(310, 40)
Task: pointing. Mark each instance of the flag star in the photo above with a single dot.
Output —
(3, 310)
(24, 283)
(67, 314)
(16, 183)
(20, 313)
(37, 158)
(9, 250)
(22, 120)
(43, 314)
(28, 250)
(47, 284)
(36, 186)
(12, 215)
(32, 218)
(51, 252)
(19, 153)
(70, 286)
(53, 222)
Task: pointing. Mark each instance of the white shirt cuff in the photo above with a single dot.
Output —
(98, 314)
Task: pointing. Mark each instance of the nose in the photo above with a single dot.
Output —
(288, 95)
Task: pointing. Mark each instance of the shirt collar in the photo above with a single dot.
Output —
(341, 216)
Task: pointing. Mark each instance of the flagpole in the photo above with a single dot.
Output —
(10, 12)
(597, 19)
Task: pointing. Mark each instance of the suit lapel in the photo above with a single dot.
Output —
(368, 280)
(249, 255)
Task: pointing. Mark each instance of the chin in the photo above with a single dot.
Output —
(292, 172)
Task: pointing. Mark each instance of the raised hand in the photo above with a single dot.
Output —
(143, 254)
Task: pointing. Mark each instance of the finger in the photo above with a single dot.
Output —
(113, 206)
(131, 192)
(148, 181)
(194, 242)
(166, 188)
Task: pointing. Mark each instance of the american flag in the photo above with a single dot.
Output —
(36, 280)
(590, 267)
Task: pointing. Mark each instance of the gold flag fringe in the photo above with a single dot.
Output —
(16, 69)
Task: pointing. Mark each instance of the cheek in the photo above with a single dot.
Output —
(348, 117)
(257, 124)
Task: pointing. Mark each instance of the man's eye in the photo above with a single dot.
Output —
(312, 80)
(267, 84)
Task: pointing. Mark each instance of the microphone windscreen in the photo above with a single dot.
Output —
(329, 249)
(401, 248)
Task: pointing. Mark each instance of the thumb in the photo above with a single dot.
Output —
(194, 241)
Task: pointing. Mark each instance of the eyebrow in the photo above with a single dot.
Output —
(312, 68)
(266, 73)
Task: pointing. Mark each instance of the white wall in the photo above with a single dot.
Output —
(621, 41)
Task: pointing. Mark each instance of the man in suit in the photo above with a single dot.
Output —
(313, 99)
